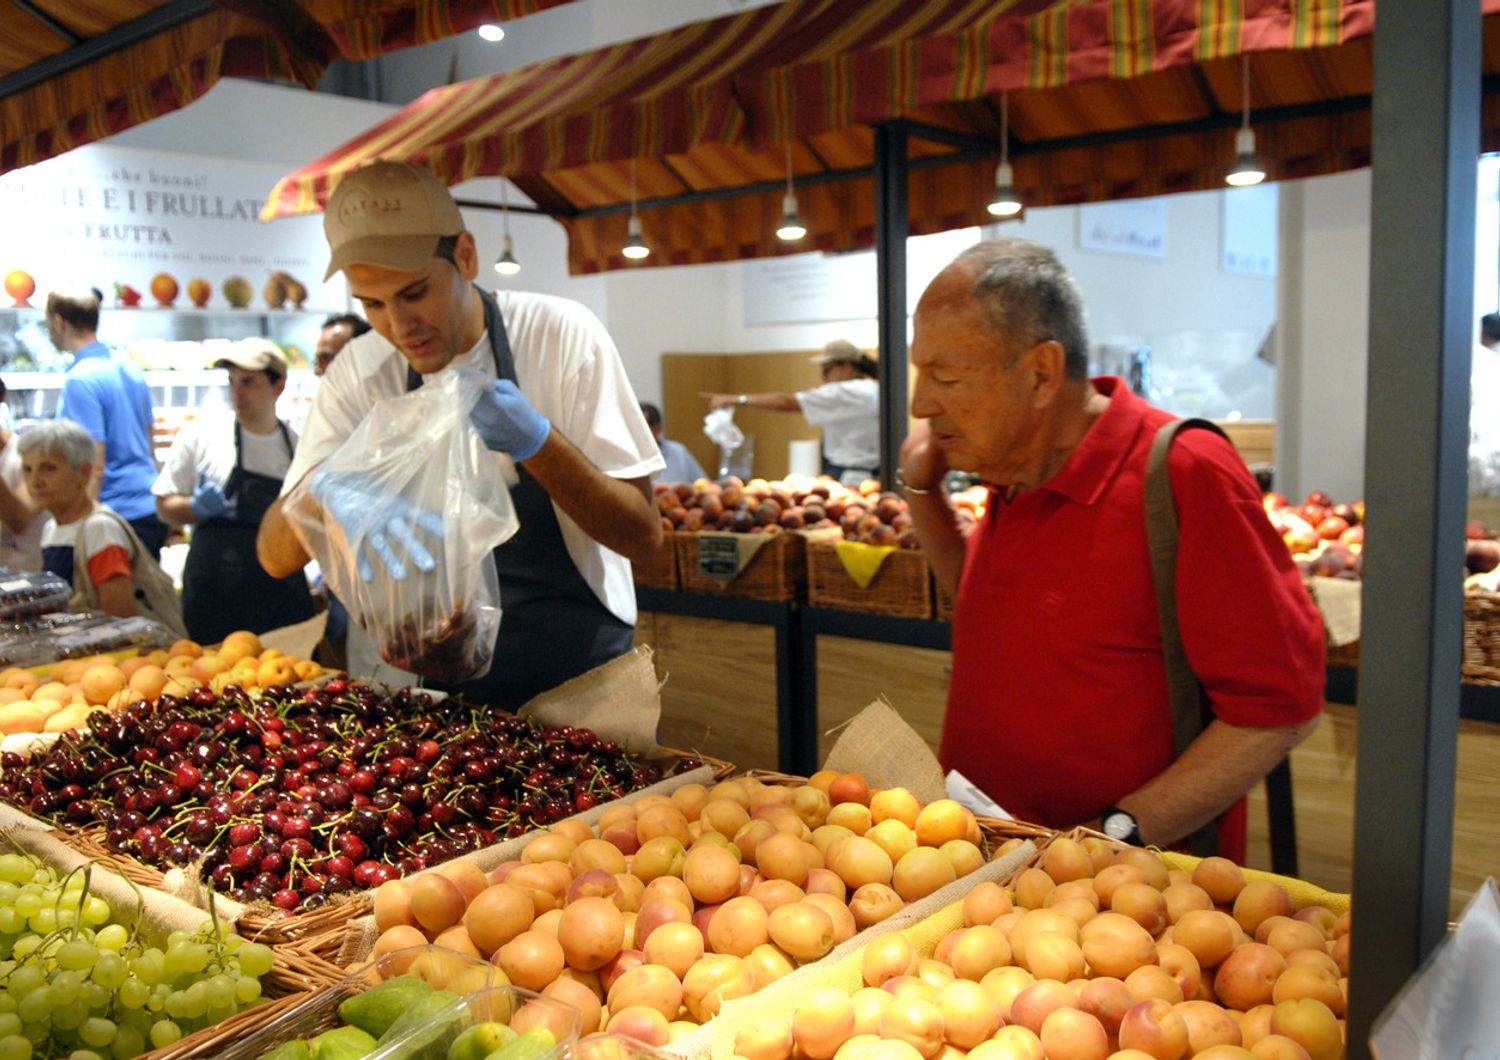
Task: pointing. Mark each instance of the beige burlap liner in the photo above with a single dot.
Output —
(620, 701)
(878, 744)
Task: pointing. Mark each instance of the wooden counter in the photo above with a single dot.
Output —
(720, 698)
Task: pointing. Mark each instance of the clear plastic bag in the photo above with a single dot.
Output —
(414, 469)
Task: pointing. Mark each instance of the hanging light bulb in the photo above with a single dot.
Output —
(1005, 202)
(792, 228)
(491, 32)
(1247, 168)
(506, 264)
(635, 246)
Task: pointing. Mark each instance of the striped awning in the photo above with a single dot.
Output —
(1106, 99)
(75, 71)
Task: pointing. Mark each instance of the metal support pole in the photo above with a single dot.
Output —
(891, 228)
(1425, 146)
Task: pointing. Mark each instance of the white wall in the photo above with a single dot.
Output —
(1323, 338)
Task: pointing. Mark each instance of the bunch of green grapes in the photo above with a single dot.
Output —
(75, 982)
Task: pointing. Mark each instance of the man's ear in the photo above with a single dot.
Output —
(1046, 370)
(466, 256)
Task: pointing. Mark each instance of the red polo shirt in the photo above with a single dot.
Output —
(1058, 703)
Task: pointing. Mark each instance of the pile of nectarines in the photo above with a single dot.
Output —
(678, 904)
(61, 702)
(1098, 953)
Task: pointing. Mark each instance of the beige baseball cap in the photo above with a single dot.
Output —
(254, 355)
(390, 214)
(839, 351)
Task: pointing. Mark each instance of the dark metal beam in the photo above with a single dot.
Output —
(891, 229)
(475, 204)
(47, 20)
(124, 35)
(953, 137)
(1425, 141)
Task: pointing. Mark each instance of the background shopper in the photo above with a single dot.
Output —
(108, 396)
(337, 331)
(21, 523)
(221, 474)
(682, 466)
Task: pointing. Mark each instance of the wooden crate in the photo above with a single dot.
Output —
(942, 604)
(1481, 658)
(661, 572)
(901, 587)
(777, 572)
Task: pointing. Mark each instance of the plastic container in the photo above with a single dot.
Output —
(29, 593)
(438, 965)
(606, 1046)
(519, 1009)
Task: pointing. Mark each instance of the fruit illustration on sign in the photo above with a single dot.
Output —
(238, 292)
(20, 286)
(127, 296)
(200, 291)
(282, 288)
(164, 289)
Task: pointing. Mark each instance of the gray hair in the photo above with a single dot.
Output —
(62, 438)
(1029, 297)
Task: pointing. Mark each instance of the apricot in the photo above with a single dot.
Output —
(823, 1021)
(1206, 934)
(895, 804)
(1038, 1001)
(920, 872)
(1221, 879)
(802, 930)
(185, 647)
(849, 787)
(101, 682)
(1053, 956)
(1066, 859)
(986, 903)
(979, 950)
(1072, 1034)
(1004, 984)
(1010, 1043)
(1309, 981)
(887, 957)
(916, 1022)
(873, 902)
(1312, 1025)
(1247, 977)
(1151, 981)
(963, 855)
(1207, 1025)
(1116, 945)
(1261, 899)
(1142, 903)
(53, 690)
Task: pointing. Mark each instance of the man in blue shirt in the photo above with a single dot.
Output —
(108, 397)
(682, 466)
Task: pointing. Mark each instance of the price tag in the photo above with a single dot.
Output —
(718, 557)
(1448, 1008)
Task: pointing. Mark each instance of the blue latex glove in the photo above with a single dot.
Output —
(507, 421)
(208, 500)
(375, 522)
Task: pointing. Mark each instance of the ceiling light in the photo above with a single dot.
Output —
(635, 246)
(1005, 203)
(1247, 168)
(792, 228)
(506, 264)
(491, 32)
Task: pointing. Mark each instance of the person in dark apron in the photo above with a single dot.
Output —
(552, 626)
(224, 586)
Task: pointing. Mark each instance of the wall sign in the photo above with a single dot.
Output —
(1250, 228)
(1135, 228)
(805, 288)
(101, 216)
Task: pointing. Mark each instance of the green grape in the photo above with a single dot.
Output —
(189, 957)
(10, 1024)
(11, 921)
(43, 921)
(150, 967)
(67, 916)
(158, 999)
(128, 1042)
(255, 959)
(176, 1004)
(25, 979)
(25, 946)
(96, 997)
(84, 1054)
(77, 955)
(109, 970)
(196, 999)
(246, 990)
(36, 1006)
(164, 1032)
(177, 938)
(8, 892)
(16, 868)
(15, 1047)
(112, 937)
(133, 993)
(65, 987)
(69, 1015)
(97, 1031)
(27, 904)
(220, 990)
(95, 911)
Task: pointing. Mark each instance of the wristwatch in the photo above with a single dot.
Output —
(1120, 824)
(743, 399)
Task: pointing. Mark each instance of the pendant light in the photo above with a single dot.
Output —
(506, 264)
(491, 32)
(1005, 203)
(791, 228)
(1247, 169)
(635, 246)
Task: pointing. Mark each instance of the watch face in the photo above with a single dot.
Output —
(1118, 825)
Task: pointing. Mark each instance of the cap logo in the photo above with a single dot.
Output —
(361, 203)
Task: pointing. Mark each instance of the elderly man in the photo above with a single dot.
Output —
(1058, 706)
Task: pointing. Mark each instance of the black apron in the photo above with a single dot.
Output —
(224, 587)
(552, 626)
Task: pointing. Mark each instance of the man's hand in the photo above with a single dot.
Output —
(720, 401)
(373, 521)
(923, 464)
(208, 500)
(507, 421)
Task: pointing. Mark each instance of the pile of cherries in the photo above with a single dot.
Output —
(295, 795)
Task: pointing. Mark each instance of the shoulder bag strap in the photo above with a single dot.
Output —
(1184, 691)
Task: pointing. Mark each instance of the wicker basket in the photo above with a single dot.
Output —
(661, 572)
(942, 603)
(901, 587)
(211, 1041)
(777, 572)
(1481, 658)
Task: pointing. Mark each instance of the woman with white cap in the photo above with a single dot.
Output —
(221, 474)
(846, 407)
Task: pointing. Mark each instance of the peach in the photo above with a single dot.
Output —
(1155, 1028)
(1247, 977)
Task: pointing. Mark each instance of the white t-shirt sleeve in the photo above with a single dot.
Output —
(344, 397)
(845, 400)
(179, 472)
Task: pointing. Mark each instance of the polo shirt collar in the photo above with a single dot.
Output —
(1104, 448)
(93, 349)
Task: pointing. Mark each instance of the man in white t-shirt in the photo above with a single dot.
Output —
(221, 474)
(559, 413)
(1484, 410)
(846, 407)
(21, 522)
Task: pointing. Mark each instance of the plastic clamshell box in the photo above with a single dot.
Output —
(445, 969)
(606, 1046)
(513, 1006)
